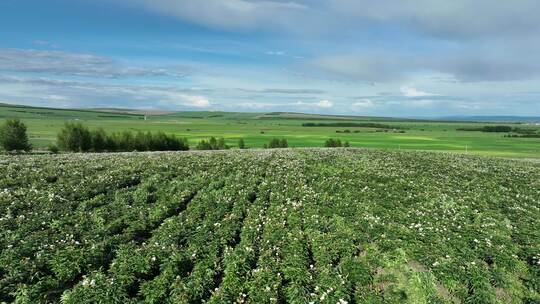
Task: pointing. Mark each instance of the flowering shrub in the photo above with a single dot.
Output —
(269, 226)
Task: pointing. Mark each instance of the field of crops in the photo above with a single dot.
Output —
(280, 226)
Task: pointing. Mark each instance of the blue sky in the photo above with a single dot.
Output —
(391, 58)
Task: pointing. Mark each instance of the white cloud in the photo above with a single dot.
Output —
(256, 105)
(409, 91)
(230, 14)
(325, 104)
(454, 18)
(71, 64)
(196, 101)
(364, 103)
(80, 94)
(275, 53)
(421, 103)
(56, 97)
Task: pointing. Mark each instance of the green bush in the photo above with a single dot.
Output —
(277, 143)
(13, 136)
(333, 143)
(212, 144)
(99, 140)
(74, 137)
(53, 149)
(241, 144)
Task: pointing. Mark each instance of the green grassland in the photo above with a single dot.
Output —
(258, 128)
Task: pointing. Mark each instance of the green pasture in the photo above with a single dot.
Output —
(258, 128)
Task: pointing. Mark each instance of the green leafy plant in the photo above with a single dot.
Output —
(13, 136)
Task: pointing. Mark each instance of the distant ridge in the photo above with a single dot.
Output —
(490, 118)
(292, 115)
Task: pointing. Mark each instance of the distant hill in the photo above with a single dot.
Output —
(501, 118)
(132, 111)
(24, 110)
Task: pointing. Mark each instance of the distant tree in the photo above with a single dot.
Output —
(333, 143)
(159, 142)
(212, 144)
(99, 140)
(53, 149)
(110, 143)
(221, 145)
(13, 136)
(203, 145)
(74, 137)
(126, 141)
(276, 143)
(142, 141)
(241, 144)
(346, 144)
(273, 143)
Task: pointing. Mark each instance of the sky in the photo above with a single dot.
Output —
(407, 58)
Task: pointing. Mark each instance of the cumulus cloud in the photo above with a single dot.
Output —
(256, 105)
(325, 104)
(408, 91)
(457, 18)
(283, 91)
(79, 94)
(196, 101)
(364, 103)
(275, 53)
(72, 64)
(376, 68)
(497, 64)
(442, 18)
(230, 14)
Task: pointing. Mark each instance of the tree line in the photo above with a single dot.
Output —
(488, 129)
(75, 137)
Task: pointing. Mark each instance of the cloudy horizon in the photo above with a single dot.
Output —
(359, 57)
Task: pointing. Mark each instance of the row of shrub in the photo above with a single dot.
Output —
(529, 135)
(488, 129)
(378, 130)
(374, 125)
(75, 137)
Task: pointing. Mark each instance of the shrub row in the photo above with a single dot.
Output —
(75, 137)
(351, 124)
(488, 129)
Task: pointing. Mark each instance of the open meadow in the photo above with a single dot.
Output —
(269, 226)
(258, 128)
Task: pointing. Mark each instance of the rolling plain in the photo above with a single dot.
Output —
(258, 128)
